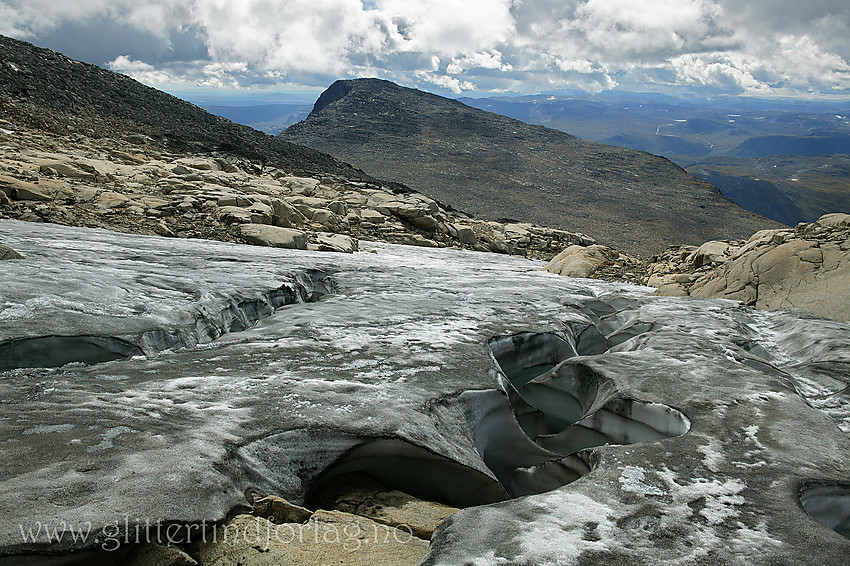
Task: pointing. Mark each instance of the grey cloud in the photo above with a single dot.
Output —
(724, 46)
(101, 40)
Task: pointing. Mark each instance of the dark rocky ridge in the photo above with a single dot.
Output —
(495, 167)
(49, 91)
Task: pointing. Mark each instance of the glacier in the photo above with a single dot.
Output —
(159, 380)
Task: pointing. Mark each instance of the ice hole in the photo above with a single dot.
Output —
(829, 505)
(56, 351)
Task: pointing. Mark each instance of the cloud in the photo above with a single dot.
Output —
(716, 46)
(141, 71)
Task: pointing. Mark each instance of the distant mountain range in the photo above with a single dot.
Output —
(724, 142)
(497, 167)
(269, 118)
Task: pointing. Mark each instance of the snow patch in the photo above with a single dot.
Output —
(111, 435)
(47, 429)
(561, 539)
(632, 480)
(713, 454)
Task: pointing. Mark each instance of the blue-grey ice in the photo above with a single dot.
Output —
(148, 379)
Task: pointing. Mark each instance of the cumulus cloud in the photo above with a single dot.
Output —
(141, 71)
(723, 46)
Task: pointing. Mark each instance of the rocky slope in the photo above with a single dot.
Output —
(42, 89)
(496, 167)
(806, 267)
(134, 184)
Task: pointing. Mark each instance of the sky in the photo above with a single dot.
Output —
(704, 48)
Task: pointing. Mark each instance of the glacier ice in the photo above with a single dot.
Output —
(474, 378)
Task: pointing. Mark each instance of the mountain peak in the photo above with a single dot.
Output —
(497, 167)
(341, 88)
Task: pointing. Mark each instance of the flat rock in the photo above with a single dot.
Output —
(334, 243)
(274, 236)
(329, 537)
(22, 190)
(360, 495)
(111, 199)
(279, 510)
(152, 554)
(370, 216)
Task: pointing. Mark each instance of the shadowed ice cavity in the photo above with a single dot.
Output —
(556, 408)
(829, 505)
(412, 469)
(301, 465)
(521, 466)
(56, 351)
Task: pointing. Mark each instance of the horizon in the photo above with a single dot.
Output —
(689, 50)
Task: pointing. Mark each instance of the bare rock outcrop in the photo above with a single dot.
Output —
(806, 267)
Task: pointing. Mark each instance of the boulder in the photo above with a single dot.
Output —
(338, 207)
(355, 199)
(417, 240)
(274, 236)
(580, 261)
(278, 510)
(427, 223)
(369, 216)
(110, 199)
(228, 200)
(299, 185)
(376, 198)
(8, 253)
(309, 202)
(235, 215)
(324, 217)
(836, 219)
(285, 215)
(326, 242)
(261, 213)
(711, 252)
(22, 190)
(464, 234)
